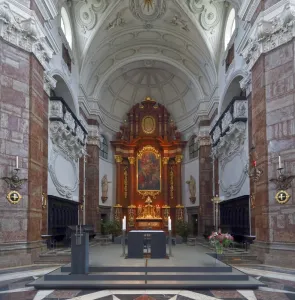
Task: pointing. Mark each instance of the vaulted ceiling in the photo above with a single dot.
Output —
(166, 49)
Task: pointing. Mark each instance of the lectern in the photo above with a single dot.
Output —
(136, 243)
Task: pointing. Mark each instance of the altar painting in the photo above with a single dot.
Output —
(149, 172)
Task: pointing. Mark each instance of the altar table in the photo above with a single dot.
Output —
(136, 240)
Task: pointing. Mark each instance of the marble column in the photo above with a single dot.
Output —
(178, 160)
(165, 179)
(272, 130)
(118, 159)
(132, 179)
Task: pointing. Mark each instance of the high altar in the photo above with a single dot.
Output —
(148, 154)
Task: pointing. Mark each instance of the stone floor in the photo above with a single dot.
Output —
(280, 285)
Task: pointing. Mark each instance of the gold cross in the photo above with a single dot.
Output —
(282, 196)
(14, 197)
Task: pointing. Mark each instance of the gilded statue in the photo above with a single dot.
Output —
(192, 186)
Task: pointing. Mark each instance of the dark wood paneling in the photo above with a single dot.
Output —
(234, 216)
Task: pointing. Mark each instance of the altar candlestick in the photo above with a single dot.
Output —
(280, 163)
(17, 162)
(124, 223)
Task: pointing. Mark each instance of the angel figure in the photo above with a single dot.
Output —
(14, 182)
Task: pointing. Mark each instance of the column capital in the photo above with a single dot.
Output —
(165, 160)
(118, 158)
(131, 160)
(178, 158)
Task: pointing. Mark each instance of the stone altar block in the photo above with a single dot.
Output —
(136, 243)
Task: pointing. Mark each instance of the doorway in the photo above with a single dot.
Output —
(195, 224)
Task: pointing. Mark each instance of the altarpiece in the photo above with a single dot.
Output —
(148, 154)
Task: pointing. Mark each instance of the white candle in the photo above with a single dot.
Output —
(124, 223)
(169, 223)
(17, 162)
(280, 163)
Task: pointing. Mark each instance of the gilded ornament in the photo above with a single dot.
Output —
(131, 160)
(126, 182)
(14, 197)
(148, 124)
(165, 160)
(178, 159)
(171, 183)
(118, 158)
(282, 197)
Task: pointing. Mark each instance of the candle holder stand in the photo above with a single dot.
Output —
(123, 243)
(170, 243)
(282, 182)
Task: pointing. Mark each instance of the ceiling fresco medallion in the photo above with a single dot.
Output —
(148, 10)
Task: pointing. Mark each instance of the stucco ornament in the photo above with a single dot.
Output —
(148, 11)
(65, 190)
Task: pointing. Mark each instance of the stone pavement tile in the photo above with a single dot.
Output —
(261, 295)
(24, 295)
(127, 297)
(87, 292)
(63, 294)
(20, 283)
(227, 294)
(203, 292)
(285, 282)
(109, 297)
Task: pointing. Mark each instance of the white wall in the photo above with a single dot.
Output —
(63, 175)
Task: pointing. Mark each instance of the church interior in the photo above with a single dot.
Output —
(159, 123)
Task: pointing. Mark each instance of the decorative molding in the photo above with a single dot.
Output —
(131, 160)
(23, 29)
(94, 136)
(66, 132)
(47, 9)
(248, 9)
(273, 28)
(234, 188)
(246, 83)
(63, 190)
(146, 13)
(165, 160)
(204, 141)
(118, 158)
(49, 83)
(231, 142)
(119, 21)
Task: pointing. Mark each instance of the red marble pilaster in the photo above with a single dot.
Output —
(132, 182)
(118, 159)
(165, 179)
(206, 184)
(92, 187)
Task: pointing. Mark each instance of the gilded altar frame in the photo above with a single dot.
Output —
(145, 193)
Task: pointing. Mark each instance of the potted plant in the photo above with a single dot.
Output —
(182, 229)
(112, 227)
(220, 241)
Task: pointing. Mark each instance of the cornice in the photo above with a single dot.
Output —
(272, 28)
(47, 9)
(21, 27)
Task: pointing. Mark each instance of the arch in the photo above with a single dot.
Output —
(65, 25)
(62, 90)
(229, 27)
(232, 89)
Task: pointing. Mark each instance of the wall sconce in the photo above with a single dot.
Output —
(81, 207)
(282, 182)
(44, 200)
(14, 182)
(254, 173)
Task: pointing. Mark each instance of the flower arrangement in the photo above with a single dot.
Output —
(220, 240)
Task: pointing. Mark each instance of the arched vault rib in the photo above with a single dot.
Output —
(179, 66)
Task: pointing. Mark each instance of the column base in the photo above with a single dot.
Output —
(274, 254)
(20, 254)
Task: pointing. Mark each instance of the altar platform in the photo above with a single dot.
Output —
(189, 268)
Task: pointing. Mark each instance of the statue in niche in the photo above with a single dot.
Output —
(104, 188)
(192, 188)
